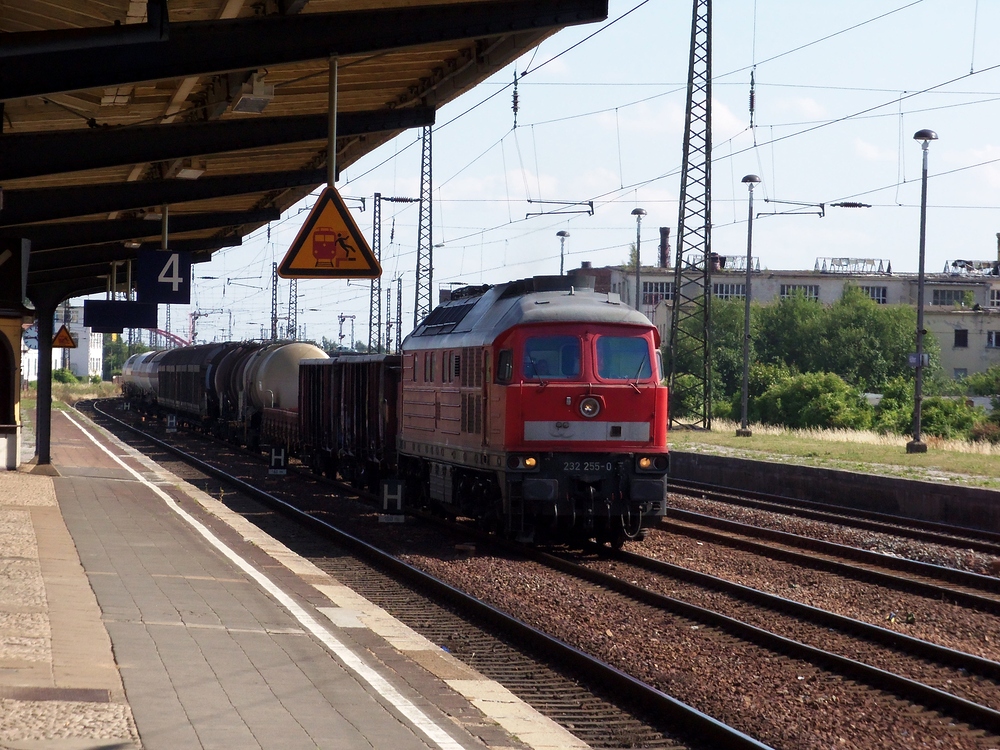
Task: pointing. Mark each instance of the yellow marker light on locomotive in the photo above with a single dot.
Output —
(530, 462)
(645, 462)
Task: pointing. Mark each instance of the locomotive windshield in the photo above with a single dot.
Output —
(552, 358)
(623, 358)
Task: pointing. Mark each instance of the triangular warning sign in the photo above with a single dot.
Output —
(329, 245)
(63, 339)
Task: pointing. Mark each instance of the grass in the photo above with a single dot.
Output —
(68, 394)
(962, 462)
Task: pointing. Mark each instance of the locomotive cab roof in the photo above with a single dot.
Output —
(478, 315)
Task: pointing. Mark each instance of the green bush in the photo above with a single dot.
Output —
(63, 375)
(949, 417)
(815, 399)
(894, 413)
(95, 379)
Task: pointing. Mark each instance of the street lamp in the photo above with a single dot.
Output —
(744, 431)
(562, 234)
(638, 213)
(917, 445)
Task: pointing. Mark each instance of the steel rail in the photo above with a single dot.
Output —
(875, 633)
(913, 528)
(688, 719)
(912, 567)
(981, 716)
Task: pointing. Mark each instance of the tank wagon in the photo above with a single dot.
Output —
(241, 391)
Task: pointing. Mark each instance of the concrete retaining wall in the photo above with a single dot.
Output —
(962, 506)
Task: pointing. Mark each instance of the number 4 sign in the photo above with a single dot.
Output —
(164, 277)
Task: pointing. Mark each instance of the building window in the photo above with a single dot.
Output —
(961, 338)
(729, 291)
(960, 372)
(653, 292)
(809, 291)
(878, 293)
(949, 296)
(993, 339)
(994, 297)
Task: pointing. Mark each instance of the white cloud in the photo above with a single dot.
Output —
(871, 152)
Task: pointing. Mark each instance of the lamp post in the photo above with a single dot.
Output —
(562, 234)
(744, 431)
(917, 445)
(638, 213)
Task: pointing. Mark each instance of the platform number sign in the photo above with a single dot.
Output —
(164, 277)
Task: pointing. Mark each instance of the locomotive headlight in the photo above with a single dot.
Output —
(590, 407)
(521, 463)
(651, 463)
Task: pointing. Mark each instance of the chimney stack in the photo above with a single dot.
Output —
(665, 247)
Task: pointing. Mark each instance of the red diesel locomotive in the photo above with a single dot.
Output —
(531, 406)
(537, 408)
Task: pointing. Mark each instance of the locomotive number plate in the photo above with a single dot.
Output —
(586, 466)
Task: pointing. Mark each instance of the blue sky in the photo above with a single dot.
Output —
(840, 90)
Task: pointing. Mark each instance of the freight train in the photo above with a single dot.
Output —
(534, 407)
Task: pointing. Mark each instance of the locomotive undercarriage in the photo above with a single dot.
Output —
(588, 496)
(566, 496)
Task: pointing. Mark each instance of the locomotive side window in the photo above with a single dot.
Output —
(623, 358)
(552, 358)
(505, 366)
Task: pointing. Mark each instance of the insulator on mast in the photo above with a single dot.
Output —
(514, 99)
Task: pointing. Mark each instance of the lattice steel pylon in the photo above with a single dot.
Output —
(293, 309)
(274, 302)
(375, 302)
(425, 248)
(690, 320)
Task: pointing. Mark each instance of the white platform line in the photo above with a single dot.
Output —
(348, 658)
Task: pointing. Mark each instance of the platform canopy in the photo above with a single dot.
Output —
(218, 109)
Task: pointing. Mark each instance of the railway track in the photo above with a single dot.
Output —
(937, 581)
(957, 673)
(979, 540)
(603, 706)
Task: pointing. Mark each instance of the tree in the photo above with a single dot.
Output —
(727, 346)
(788, 332)
(116, 351)
(867, 344)
(983, 383)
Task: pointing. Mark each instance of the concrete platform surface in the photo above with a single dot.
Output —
(137, 611)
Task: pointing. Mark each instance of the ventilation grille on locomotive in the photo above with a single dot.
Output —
(443, 319)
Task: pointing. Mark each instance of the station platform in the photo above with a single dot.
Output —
(138, 612)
